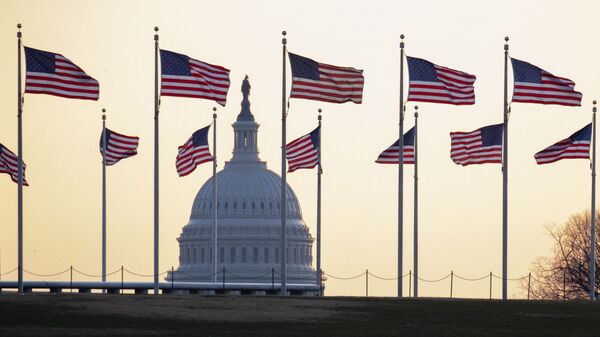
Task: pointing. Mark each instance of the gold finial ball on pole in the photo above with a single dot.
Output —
(506, 38)
(284, 33)
(416, 111)
(156, 29)
(19, 25)
(103, 114)
(214, 112)
(594, 102)
(401, 36)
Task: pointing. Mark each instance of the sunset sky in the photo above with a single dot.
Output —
(460, 207)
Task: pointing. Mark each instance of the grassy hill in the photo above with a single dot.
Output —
(193, 315)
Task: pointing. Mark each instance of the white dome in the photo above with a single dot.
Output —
(245, 190)
(248, 220)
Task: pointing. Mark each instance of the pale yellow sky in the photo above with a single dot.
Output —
(460, 207)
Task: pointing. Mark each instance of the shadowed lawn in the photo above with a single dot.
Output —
(193, 315)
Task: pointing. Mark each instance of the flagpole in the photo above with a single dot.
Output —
(593, 220)
(283, 254)
(416, 217)
(20, 165)
(319, 173)
(156, 107)
(505, 178)
(103, 196)
(401, 166)
(215, 191)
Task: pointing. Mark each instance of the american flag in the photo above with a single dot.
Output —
(432, 83)
(193, 153)
(182, 76)
(390, 155)
(577, 146)
(535, 85)
(9, 163)
(54, 74)
(118, 146)
(481, 146)
(303, 153)
(324, 82)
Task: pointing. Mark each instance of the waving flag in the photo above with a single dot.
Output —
(577, 146)
(193, 153)
(481, 146)
(324, 82)
(390, 155)
(432, 83)
(9, 163)
(303, 153)
(53, 74)
(183, 76)
(118, 146)
(535, 85)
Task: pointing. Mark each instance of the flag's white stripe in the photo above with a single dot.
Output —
(425, 91)
(331, 98)
(193, 92)
(299, 81)
(58, 84)
(213, 69)
(64, 78)
(63, 92)
(545, 99)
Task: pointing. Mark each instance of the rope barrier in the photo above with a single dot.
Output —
(385, 278)
(91, 275)
(145, 275)
(432, 281)
(8, 272)
(272, 273)
(345, 278)
(47, 275)
(472, 279)
(511, 279)
(192, 275)
(247, 277)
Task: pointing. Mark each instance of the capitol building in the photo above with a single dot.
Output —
(249, 222)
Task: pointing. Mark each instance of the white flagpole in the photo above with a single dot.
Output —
(319, 173)
(401, 166)
(103, 196)
(215, 192)
(156, 108)
(416, 210)
(20, 166)
(282, 254)
(505, 178)
(593, 215)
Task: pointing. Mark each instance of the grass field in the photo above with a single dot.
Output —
(193, 315)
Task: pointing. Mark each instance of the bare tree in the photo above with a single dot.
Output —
(565, 272)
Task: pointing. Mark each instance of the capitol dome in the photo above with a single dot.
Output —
(248, 220)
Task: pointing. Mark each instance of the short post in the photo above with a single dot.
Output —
(409, 281)
(367, 283)
(490, 285)
(272, 278)
(71, 278)
(172, 279)
(451, 282)
(121, 279)
(529, 286)
(223, 278)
